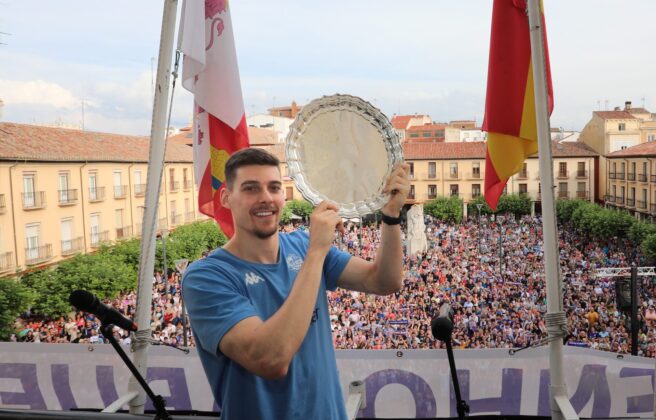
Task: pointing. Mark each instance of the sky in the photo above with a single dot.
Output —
(93, 61)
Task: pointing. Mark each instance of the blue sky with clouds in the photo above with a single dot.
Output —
(423, 56)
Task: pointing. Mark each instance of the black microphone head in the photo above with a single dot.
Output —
(83, 300)
(441, 327)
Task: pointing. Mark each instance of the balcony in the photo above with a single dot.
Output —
(620, 176)
(563, 195)
(641, 204)
(562, 175)
(581, 174)
(98, 238)
(609, 198)
(612, 175)
(630, 202)
(175, 186)
(67, 197)
(652, 178)
(582, 195)
(474, 175)
(6, 261)
(430, 196)
(120, 191)
(124, 232)
(189, 216)
(642, 177)
(454, 175)
(619, 200)
(139, 190)
(475, 194)
(187, 184)
(522, 175)
(631, 176)
(176, 219)
(411, 197)
(38, 254)
(3, 205)
(96, 194)
(72, 246)
(34, 200)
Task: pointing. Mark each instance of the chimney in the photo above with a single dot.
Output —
(617, 108)
(627, 105)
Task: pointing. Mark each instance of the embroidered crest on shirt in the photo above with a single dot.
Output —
(294, 262)
(252, 278)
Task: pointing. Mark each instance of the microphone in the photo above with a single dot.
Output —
(87, 302)
(442, 324)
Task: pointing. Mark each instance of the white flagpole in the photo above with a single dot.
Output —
(149, 225)
(561, 407)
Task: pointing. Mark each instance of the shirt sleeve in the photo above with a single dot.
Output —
(335, 263)
(214, 302)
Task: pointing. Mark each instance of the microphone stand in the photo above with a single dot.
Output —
(158, 401)
(461, 405)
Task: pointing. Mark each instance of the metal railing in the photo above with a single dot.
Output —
(620, 175)
(641, 204)
(582, 195)
(175, 185)
(124, 232)
(652, 178)
(96, 194)
(630, 202)
(563, 195)
(562, 174)
(522, 175)
(642, 177)
(187, 184)
(581, 173)
(619, 200)
(67, 197)
(98, 238)
(72, 246)
(631, 176)
(6, 261)
(454, 175)
(139, 190)
(609, 198)
(474, 175)
(120, 191)
(38, 254)
(612, 175)
(34, 200)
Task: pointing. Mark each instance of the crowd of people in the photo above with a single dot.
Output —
(489, 270)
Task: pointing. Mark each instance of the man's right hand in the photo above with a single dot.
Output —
(324, 220)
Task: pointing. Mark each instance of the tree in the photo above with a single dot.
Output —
(639, 231)
(472, 209)
(15, 298)
(286, 215)
(300, 208)
(565, 208)
(516, 204)
(449, 209)
(648, 247)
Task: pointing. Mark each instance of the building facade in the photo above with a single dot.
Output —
(631, 180)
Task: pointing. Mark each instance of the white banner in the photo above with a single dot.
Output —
(398, 383)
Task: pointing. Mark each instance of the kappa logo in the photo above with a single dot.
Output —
(294, 262)
(252, 278)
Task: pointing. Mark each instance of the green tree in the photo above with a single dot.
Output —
(648, 247)
(472, 209)
(565, 208)
(286, 215)
(445, 208)
(518, 205)
(300, 207)
(639, 231)
(190, 241)
(15, 298)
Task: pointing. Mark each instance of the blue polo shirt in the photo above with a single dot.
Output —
(221, 290)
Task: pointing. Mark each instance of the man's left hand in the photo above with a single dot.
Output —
(398, 187)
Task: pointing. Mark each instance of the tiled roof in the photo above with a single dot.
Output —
(261, 136)
(185, 137)
(477, 150)
(37, 143)
(615, 115)
(644, 149)
(638, 111)
(426, 127)
(400, 122)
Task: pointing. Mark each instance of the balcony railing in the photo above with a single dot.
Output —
(411, 196)
(454, 175)
(581, 173)
(619, 200)
(189, 216)
(631, 176)
(34, 200)
(98, 238)
(641, 204)
(411, 176)
(612, 175)
(72, 246)
(3, 204)
(6, 261)
(187, 184)
(176, 219)
(563, 195)
(175, 185)
(609, 198)
(124, 232)
(96, 194)
(522, 175)
(620, 175)
(642, 177)
(563, 174)
(120, 191)
(67, 197)
(630, 202)
(38, 254)
(430, 196)
(652, 178)
(582, 195)
(474, 175)
(139, 190)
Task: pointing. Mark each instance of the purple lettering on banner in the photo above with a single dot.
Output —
(593, 381)
(425, 404)
(639, 403)
(509, 403)
(62, 385)
(175, 377)
(106, 386)
(31, 394)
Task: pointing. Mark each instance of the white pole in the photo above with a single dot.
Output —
(155, 170)
(555, 319)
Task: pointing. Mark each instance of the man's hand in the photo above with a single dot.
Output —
(324, 220)
(398, 187)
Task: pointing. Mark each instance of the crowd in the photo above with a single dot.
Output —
(490, 270)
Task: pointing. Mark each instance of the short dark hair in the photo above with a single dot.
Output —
(246, 157)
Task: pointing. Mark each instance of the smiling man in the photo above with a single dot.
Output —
(258, 306)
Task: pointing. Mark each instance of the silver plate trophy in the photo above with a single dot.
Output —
(342, 149)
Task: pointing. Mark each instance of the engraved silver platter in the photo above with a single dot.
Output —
(342, 149)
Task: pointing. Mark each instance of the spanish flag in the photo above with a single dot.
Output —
(510, 118)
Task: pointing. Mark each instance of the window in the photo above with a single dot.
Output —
(623, 192)
(644, 168)
(454, 190)
(118, 218)
(63, 188)
(414, 135)
(67, 234)
(632, 190)
(93, 186)
(622, 168)
(614, 190)
(184, 175)
(621, 126)
(412, 192)
(412, 170)
(139, 186)
(453, 169)
(172, 177)
(94, 225)
(173, 210)
(562, 169)
(476, 190)
(118, 189)
(580, 169)
(29, 199)
(32, 241)
(476, 169)
(651, 137)
(644, 195)
(432, 169)
(524, 172)
(523, 189)
(426, 134)
(432, 191)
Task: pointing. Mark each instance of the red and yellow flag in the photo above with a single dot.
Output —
(510, 118)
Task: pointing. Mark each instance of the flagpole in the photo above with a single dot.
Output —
(156, 158)
(556, 321)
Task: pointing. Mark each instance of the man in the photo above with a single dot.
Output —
(258, 305)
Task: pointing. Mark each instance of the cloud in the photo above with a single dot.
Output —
(37, 92)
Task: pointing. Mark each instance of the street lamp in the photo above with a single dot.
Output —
(479, 206)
